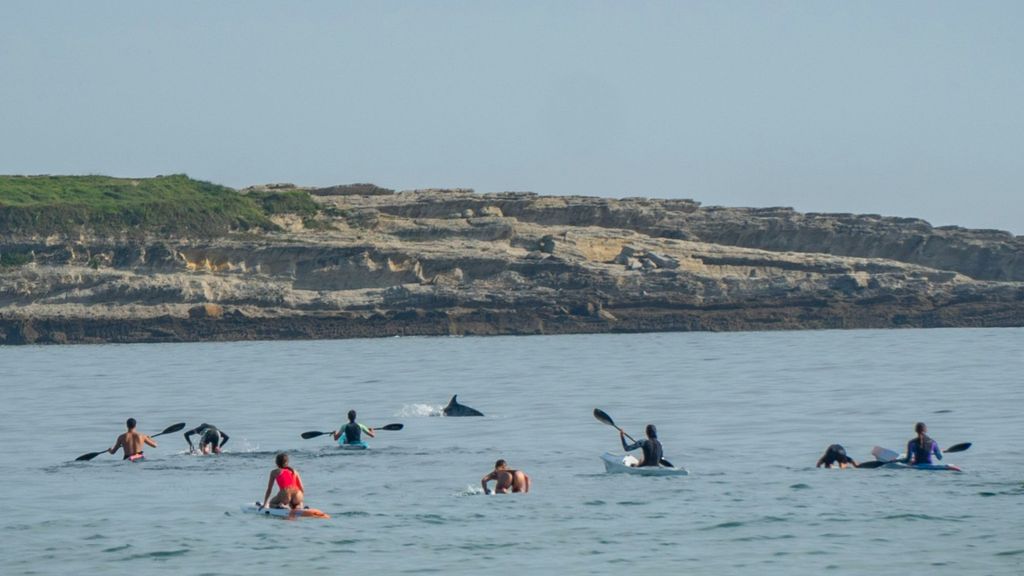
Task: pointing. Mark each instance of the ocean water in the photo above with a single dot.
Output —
(747, 413)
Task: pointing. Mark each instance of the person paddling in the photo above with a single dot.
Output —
(211, 439)
(352, 433)
(835, 455)
(651, 446)
(921, 448)
(290, 490)
(132, 442)
(506, 480)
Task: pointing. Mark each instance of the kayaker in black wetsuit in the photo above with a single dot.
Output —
(211, 439)
(835, 455)
(651, 446)
(353, 431)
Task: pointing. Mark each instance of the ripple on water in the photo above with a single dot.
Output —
(800, 486)
(1011, 553)
(157, 554)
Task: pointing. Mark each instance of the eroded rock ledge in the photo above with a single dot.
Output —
(378, 263)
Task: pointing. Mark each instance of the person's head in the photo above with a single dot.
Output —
(351, 415)
(652, 432)
(500, 464)
(920, 428)
(130, 423)
(282, 460)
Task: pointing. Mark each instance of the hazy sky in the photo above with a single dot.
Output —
(898, 108)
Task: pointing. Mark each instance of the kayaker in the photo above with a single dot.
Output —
(921, 448)
(290, 490)
(506, 479)
(651, 446)
(835, 455)
(132, 442)
(211, 439)
(352, 432)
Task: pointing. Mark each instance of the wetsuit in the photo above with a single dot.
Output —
(210, 435)
(922, 454)
(835, 454)
(352, 433)
(651, 448)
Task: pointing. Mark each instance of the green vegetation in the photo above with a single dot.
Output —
(168, 205)
(14, 259)
(285, 202)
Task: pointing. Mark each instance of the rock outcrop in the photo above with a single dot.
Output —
(378, 263)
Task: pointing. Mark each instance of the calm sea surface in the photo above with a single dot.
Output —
(747, 413)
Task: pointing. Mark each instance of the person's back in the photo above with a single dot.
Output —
(921, 448)
(352, 432)
(651, 446)
(132, 442)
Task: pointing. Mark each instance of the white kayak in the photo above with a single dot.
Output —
(627, 464)
(927, 467)
(893, 461)
(255, 508)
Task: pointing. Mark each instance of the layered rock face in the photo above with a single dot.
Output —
(376, 263)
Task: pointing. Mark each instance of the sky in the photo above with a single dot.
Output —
(911, 109)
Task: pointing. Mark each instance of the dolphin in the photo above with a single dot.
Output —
(455, 409)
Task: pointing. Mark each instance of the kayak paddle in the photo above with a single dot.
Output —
(168, 430)
(886, 456)
(604, 418)
(314, 434)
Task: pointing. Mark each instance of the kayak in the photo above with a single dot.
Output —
(354, 446)
(626, 463)
(929, 467)
(255, 508)
(893, 458)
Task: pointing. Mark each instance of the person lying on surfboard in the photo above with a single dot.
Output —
(352, 432)
(506, 480)
(921, 448)
(132, 442)
(835, 455)
(211, 439)
(651, 446)
(290, 491)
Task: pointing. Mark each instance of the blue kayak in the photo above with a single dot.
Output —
(353, 445)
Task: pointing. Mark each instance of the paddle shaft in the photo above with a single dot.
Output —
(168, 430)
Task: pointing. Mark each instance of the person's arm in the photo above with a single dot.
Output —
(936, 450)
(224, 438)
(118, 444)
(298, 482)
(909, 458)
(821, 461)
(270, 487)
(188, 438)
(336, 434)
(630, 447)
(149, 441)
(527, 476)
(485, 480)
(368, 430)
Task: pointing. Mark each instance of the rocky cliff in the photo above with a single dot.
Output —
(371, 262)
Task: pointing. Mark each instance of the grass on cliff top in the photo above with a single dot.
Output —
(176, 205)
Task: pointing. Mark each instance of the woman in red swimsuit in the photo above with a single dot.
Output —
(289, 483)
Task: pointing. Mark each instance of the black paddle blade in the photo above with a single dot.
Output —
(959, 447)
(89, 456)
(170, 429)
(312, 434)
(602, 416)
(392, 427)
(872, 464)
(666, 463)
